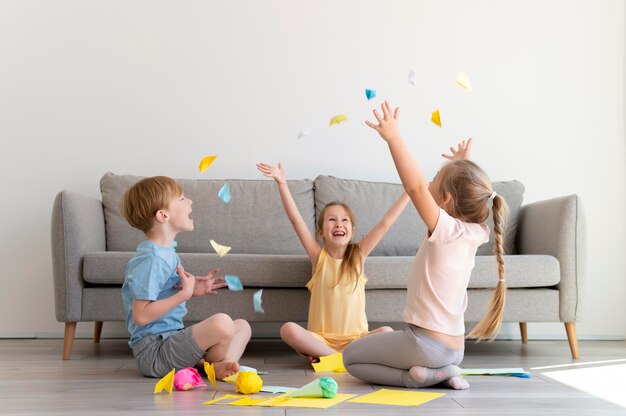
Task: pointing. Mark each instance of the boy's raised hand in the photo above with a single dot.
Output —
(187, 280)
(202, 285)
(388, 124)
(272, 172)
(462, 152)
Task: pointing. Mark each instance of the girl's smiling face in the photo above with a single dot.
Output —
(337, 226)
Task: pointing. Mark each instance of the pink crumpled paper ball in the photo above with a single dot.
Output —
(187, 378)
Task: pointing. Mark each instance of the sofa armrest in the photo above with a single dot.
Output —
(557, 227)
(77, 229)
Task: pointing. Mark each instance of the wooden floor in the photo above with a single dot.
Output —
(103, 379)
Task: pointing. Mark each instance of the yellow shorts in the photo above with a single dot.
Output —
(335, 343)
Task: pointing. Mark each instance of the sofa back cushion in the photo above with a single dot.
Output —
(370, 200)
(253, 222)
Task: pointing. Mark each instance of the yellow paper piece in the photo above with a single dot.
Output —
(338, 119)
(209, 369)
(333, 362)
(224, 397)
(317, 403)
(167, 383)
(206, 162)
(397, 397)
(436, 117)
(463, 81)
(220, 249)
(232, 379)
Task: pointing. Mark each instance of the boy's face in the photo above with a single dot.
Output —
(179, 213)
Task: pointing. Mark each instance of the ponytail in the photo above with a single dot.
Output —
(489, 326)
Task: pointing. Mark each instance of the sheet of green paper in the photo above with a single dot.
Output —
(276, 389)
(519, 372)
(397, 397)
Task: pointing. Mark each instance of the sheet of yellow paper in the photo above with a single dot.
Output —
(231, 379)
(219, 249)
(209, 369)
(436, 117)
(463, 81)
(206, 162)
(166, 383)
(333, 362)
(338, 119)
(317, 403)
(224, 397)
(397, 397)
(246, 401)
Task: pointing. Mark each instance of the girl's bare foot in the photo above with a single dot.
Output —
(224, 369)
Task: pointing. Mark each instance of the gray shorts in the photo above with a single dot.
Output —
(156, 355)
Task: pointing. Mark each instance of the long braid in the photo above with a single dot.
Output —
(489, 326)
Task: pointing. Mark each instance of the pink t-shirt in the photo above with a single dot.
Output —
(437, 286)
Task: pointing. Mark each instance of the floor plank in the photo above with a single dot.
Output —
(103, 379)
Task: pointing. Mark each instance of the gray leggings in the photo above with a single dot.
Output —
(386, 358)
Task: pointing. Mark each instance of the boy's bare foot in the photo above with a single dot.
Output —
(224, 369)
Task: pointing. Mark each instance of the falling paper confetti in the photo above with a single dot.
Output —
(257, 301)
(206, 162)
(167, 382)
(463, 81)
(305, 132)
(338, 119)
(370, 94)
(220, 249)
(436, 117)
(224, 194)
(233, 282)
(412, 77)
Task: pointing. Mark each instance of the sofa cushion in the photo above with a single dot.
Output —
(294, 271)
(370, 200)
(254, 222)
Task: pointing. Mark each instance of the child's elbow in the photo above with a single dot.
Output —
(139, 319)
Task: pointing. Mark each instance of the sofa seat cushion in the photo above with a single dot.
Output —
(294, 271)
(253, 221)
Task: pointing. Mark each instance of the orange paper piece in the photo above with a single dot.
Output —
(209, 369)
(436, 117)
(332, 362)
(206, 162)
(338, 119)
(166, 383)
(462, 80)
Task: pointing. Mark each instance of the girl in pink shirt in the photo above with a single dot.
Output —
(455, 207)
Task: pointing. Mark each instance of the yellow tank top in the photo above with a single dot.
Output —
(336, 312)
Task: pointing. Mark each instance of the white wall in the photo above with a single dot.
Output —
(149, 87)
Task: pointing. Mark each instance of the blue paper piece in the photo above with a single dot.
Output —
(224, 194)
(257, 301)
(233, 282)
(370, 94)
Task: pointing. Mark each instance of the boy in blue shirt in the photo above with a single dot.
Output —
(156, 289)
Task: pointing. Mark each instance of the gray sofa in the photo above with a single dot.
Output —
(91, 244)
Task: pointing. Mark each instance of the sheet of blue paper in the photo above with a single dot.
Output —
(224, 194)
(370, 94)
(233, 282)
(257, 301)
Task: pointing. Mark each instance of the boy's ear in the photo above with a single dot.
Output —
(161, 216)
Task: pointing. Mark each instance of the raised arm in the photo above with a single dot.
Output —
(371, 240)
(410, 174)
(307, 239)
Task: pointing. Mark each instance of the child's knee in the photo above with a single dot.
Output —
(288, 330)
(243, 327)
(222, 325)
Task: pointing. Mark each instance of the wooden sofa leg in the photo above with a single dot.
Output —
(97, 331)
(68, 339)
(523, 329)
(570, 328)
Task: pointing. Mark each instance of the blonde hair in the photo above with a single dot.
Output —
(471, 191)
(141, 201)
(351, 261)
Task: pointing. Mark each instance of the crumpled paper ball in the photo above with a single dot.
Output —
(187, 378)
(248, 382)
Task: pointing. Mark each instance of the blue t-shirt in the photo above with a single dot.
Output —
(151, 275)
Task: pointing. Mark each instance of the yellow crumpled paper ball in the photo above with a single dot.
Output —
(248, 382)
